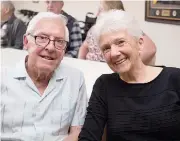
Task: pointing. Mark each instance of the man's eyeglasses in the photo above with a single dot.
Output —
(43, 41)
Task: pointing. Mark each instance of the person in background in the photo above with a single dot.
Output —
(12, 28)
(137, 102)
(42, 98)
(90, 50)
(75, 37)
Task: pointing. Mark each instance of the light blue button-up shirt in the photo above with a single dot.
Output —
(28, 116)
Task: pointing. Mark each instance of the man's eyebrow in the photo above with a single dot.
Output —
(44, 34)
(59, 38)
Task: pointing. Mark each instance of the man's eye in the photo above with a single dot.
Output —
(42, 38)
(60, 41)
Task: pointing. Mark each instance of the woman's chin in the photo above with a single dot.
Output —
(123, 69)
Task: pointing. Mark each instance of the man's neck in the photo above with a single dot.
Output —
(40, 79)
(6, 18)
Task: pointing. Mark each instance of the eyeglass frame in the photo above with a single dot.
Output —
(35, 38)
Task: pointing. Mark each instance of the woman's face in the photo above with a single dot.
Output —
(121, 50)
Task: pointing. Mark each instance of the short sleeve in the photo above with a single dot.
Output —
(82, 102)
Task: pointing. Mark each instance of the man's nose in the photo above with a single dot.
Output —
(51, 46)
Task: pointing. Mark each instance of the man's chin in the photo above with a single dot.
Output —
(44, 73)
(46, 69)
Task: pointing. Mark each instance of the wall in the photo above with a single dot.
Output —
(166, 37)
(77, 9)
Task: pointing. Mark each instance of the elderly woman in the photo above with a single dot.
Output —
(137, 102)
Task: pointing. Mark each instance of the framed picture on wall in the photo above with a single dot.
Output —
(35, 1)
(163, 11)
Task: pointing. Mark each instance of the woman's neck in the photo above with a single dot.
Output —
(137, 74)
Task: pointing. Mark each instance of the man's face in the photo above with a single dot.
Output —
(120, 50)
(45, 59)
(3, 10)
(54, 6)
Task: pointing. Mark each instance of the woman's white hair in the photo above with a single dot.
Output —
(116, 20)
(50, 15)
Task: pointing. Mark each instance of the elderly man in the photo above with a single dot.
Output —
(12, 28)
(43, 99)
(75, 37)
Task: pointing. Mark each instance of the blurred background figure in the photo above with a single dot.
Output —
(12, 28)
(75, 37)
(90, 50)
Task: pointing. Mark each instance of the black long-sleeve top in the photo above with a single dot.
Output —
(134, 112)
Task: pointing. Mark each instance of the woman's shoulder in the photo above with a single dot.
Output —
(173, 71)
(108, 77)
(172, 74)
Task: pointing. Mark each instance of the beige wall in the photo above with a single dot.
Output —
(78, 9)
(166, 37)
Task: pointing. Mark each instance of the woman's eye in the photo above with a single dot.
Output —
(107, 49)
(120, 43)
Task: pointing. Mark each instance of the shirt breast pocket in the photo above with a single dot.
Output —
(62, 117)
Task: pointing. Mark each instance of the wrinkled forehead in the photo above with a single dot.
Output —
(111, 36)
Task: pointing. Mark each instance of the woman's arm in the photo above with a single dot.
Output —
(96, 114)
(83, 50)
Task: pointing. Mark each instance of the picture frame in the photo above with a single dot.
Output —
(35, 1)
(163, 11)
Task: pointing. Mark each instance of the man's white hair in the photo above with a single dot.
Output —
(116, 20)
(50, 15)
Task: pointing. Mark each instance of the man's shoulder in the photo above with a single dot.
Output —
(70, 17)
(19, 21)
(6, 75)
(11, 70)
(68, 71)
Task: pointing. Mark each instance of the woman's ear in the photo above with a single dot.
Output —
(141, 44)
(25, 42)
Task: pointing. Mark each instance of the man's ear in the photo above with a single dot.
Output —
(62, 4)
(25, 42)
